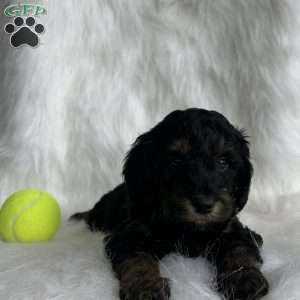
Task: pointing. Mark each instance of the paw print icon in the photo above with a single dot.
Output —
(24, 32)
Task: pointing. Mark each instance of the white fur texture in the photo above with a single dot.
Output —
(107, 70)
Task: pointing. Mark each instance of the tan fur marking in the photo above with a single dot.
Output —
(140, 271)
(220, 212)
(181, 145)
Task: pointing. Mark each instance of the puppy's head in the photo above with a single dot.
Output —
(192, 167)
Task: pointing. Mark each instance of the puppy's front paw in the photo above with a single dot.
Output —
(158, 289)
(243, 284)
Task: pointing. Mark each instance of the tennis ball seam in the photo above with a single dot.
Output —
(16, 217)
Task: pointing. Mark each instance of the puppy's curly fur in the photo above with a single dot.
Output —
(185, 180)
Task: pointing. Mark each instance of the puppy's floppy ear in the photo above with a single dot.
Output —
(245, 172)
(143, 164)
(141, 167)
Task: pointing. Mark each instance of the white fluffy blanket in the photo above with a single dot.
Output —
(107, 70)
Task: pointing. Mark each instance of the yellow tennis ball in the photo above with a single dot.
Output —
(29, 216)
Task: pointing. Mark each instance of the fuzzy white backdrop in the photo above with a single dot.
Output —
(107, 70)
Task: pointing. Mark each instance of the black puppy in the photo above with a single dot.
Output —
(185, 180)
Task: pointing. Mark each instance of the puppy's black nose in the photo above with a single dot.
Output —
(203, 203)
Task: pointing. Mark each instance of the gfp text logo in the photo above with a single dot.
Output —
(17, 10)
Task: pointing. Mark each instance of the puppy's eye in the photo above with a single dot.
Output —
(174, 163)
(222, 164)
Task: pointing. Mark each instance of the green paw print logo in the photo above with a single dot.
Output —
(24, 30)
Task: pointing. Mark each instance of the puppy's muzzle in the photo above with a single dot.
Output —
(203, 203)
